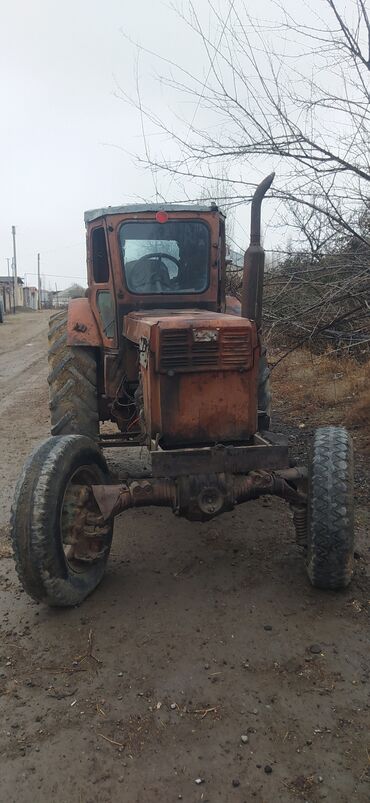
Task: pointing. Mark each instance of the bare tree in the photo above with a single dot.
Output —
(292, 92)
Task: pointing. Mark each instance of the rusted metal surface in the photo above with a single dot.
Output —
(300, 523)
(233, 306)
(136, 210)
(152, 324)
(201, 497)
(119, 440)
(295, 474)
(127, 300)
(83, 526)
(235, 459)
(198, 367)
(196, 497)
(195, 349)
(82, 328)
(254, 259)
(259, 194)
(113, 499)
(199, 375)
(264, 483)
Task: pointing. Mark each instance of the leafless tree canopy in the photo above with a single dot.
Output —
(277, 90)
(289, 93)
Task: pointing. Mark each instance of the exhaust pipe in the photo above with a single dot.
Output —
(254, 259)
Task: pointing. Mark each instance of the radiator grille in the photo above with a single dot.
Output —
(180, 352)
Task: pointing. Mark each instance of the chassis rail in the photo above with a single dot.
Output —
(266, 452)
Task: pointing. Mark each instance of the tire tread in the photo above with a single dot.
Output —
(72, 378)
(331, 509)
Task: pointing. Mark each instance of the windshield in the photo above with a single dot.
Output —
(171, 257)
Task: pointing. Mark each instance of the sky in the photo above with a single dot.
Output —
(68, 137)
(60, 63)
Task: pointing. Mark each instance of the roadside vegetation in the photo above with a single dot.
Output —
(318, 389)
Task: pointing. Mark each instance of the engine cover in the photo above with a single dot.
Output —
(199, 374)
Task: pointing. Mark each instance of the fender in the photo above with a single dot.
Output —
(82, 328)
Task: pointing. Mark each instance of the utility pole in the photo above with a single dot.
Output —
(15, 277)
(7, 292)
(13, 287)
(39, 281)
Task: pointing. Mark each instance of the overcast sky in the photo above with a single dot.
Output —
(60, 121)
(65, 136)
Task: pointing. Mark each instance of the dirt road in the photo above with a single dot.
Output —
(204, 668)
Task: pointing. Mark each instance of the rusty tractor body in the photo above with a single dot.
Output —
(159, 351)
(166, 341)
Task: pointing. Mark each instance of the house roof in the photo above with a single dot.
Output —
(92, 214)
(9, 280)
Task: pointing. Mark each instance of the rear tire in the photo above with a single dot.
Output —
(330, 527)
(46, 522)
(73, 399)
(264, 392)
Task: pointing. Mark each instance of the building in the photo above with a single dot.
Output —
(61, 298)
(46, 298)
(31, 297)
(12, 296)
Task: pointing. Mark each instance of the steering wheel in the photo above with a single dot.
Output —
(149, 274)
(159, 255)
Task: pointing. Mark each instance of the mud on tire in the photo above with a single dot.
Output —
(72, 381)
(42, 560)
(330, 525)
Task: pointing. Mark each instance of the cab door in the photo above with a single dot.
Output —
(102, 297)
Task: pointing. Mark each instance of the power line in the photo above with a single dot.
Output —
(59, 276)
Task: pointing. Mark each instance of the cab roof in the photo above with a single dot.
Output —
(93, 214)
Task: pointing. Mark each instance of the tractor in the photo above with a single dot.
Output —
(157, 356)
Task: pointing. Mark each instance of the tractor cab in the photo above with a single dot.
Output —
(153, 256)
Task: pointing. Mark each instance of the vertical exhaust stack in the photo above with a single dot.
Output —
(254, 259)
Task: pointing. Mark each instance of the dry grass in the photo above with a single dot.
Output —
(323, 389)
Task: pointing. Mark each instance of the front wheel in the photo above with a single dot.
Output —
(330, 520)
(60, 541)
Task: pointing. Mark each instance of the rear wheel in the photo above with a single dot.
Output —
(73, 399)
(330, 527)
(264, 392)
(60, 541)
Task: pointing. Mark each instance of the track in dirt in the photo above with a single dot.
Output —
(199, 635)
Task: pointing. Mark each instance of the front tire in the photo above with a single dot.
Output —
(330, 526)
(60, 542)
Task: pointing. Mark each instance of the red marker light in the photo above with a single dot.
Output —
(161, 217)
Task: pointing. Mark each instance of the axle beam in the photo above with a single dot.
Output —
(199, 497)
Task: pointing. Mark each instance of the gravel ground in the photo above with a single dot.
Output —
(204, 668)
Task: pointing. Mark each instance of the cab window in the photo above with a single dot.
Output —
(171, 257)
(100, 256)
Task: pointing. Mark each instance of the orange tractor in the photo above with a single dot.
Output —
(159, 351)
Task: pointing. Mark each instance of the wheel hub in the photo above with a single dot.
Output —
(83, 527)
